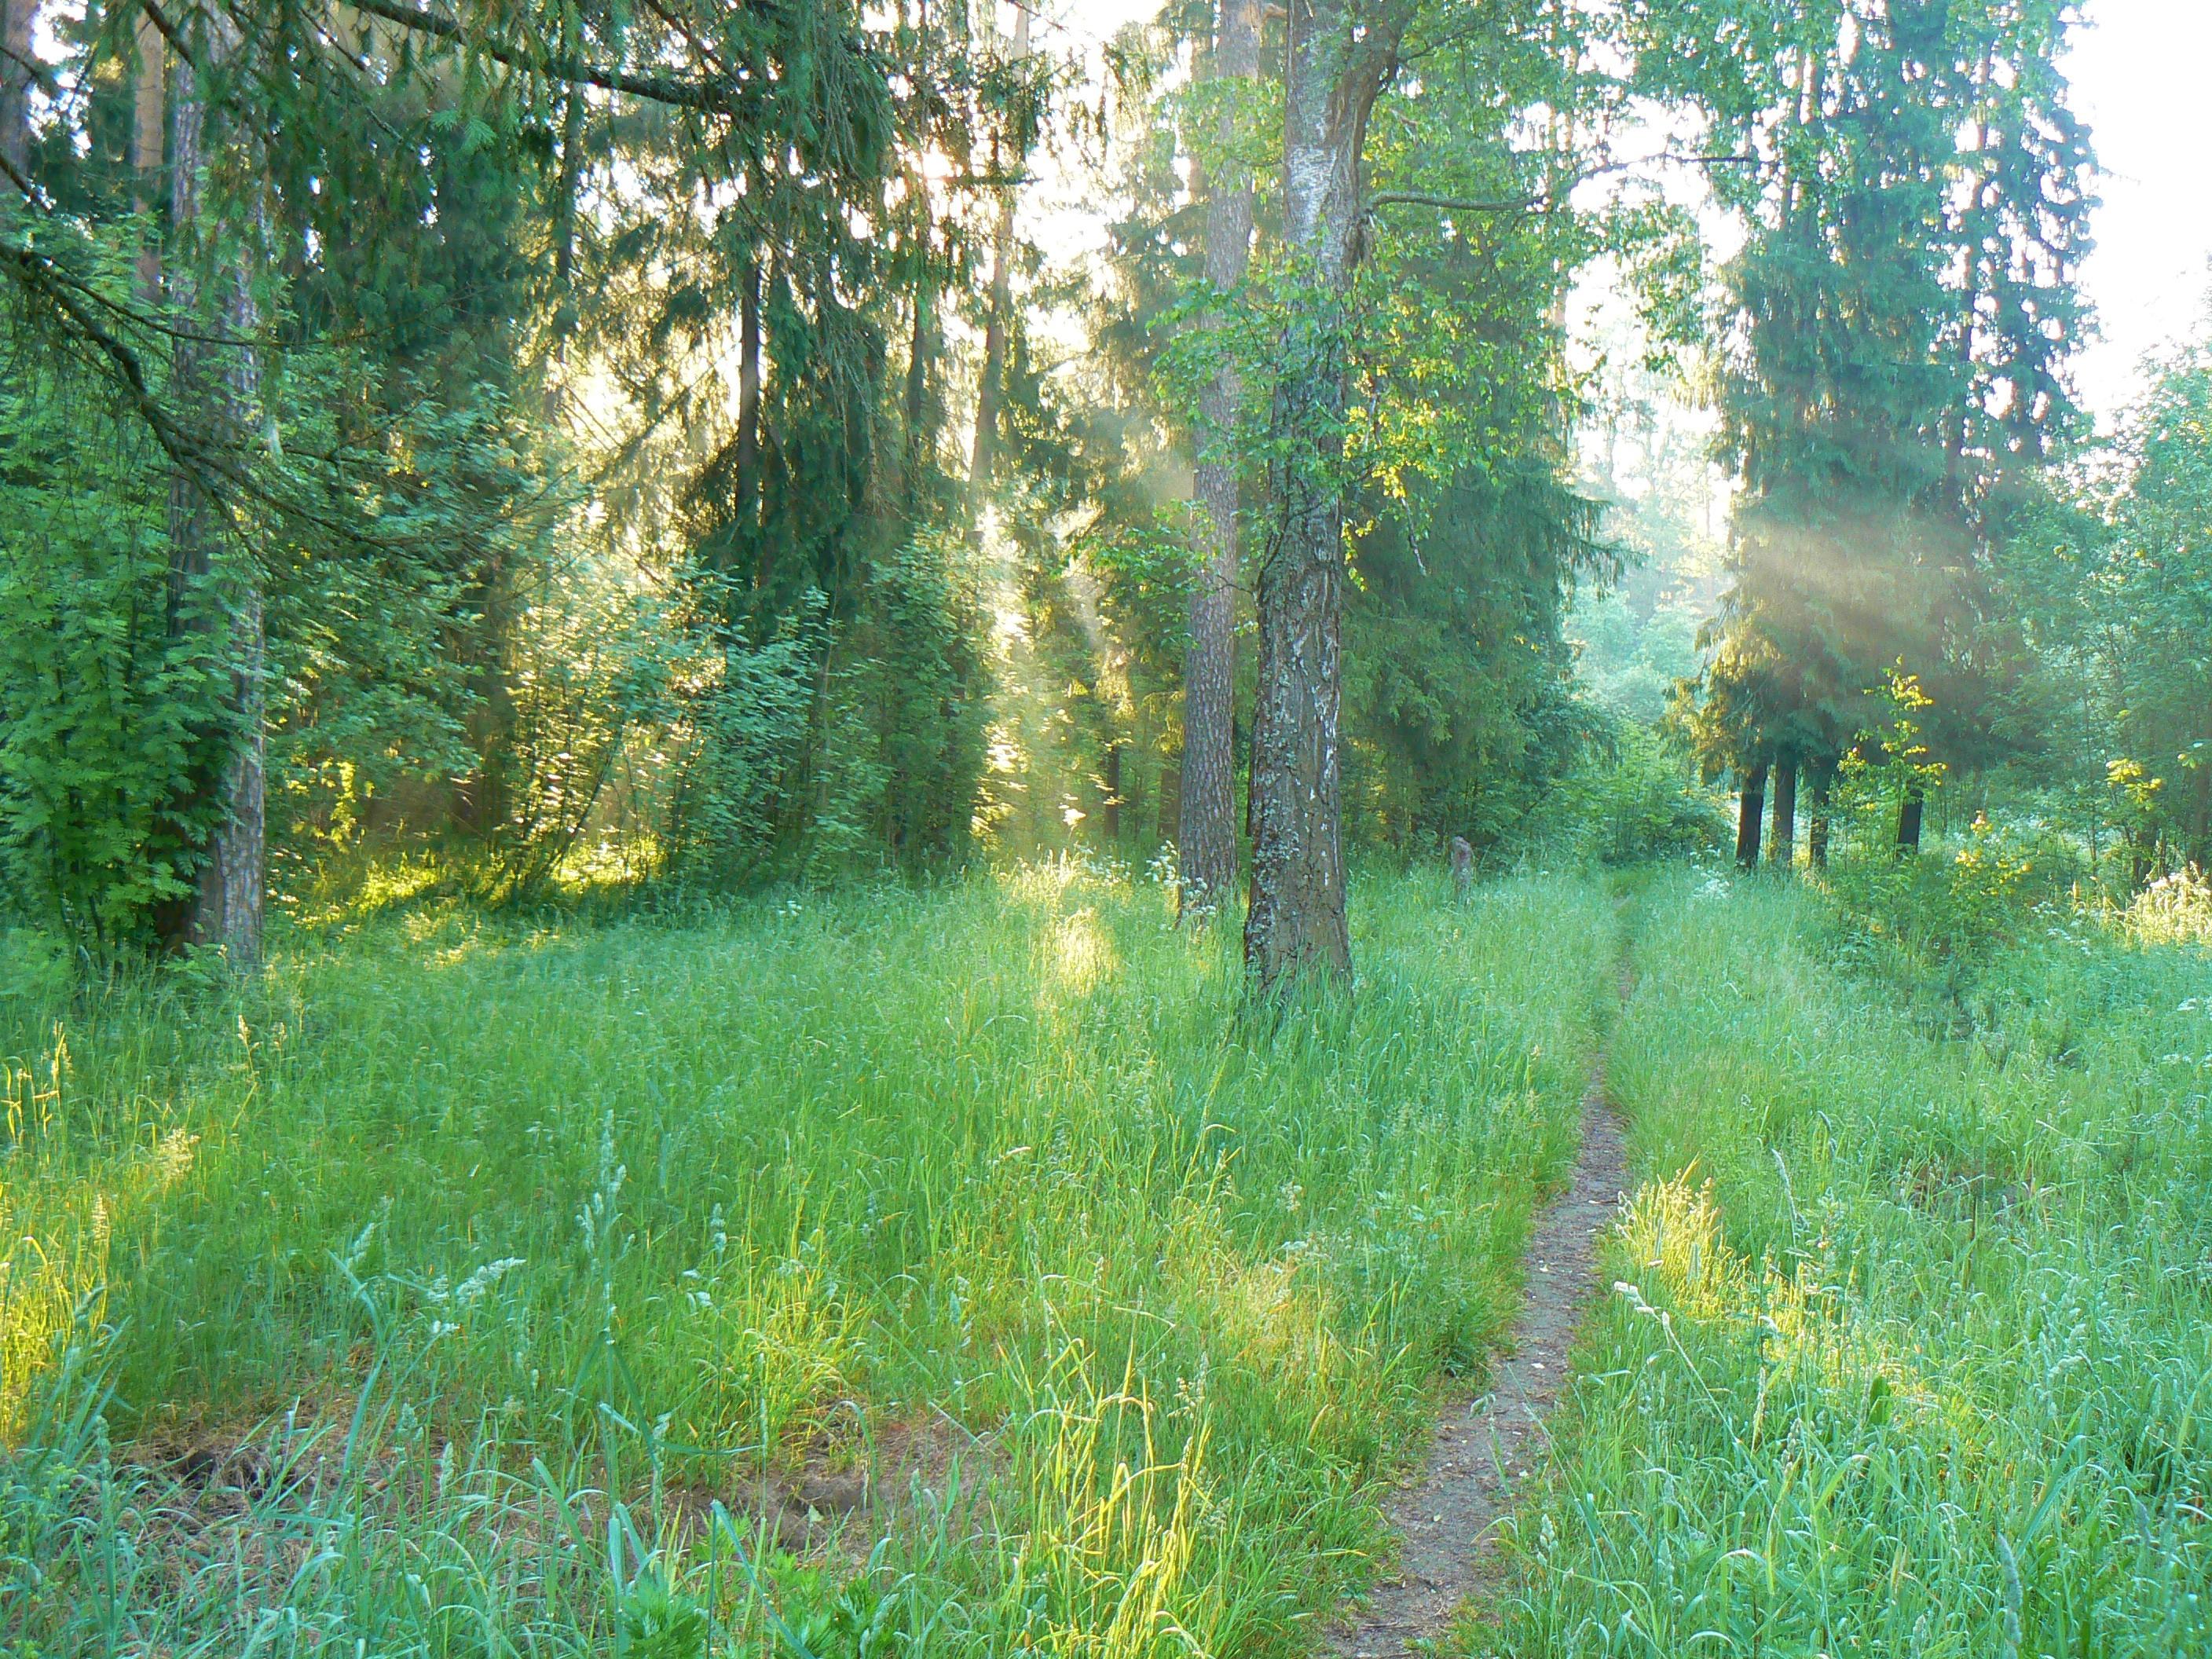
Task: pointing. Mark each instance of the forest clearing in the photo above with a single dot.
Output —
(1004, 1295)
(1117, 829)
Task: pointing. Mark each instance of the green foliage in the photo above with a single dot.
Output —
(731, 806)
(1928, 919)
(1888, 765)
(1632, 659)
(1459, 708)
(841, 745)
(2112, 582)
(1637, 637)
(588, 664)
(1632, 800)
(907, 707)
(1890, 380)
(108, 715)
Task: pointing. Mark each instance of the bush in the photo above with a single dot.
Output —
(108, 716)
(842, 742)
(747, 732)
(1633, 801)
(2175, 909)
(1985, 893)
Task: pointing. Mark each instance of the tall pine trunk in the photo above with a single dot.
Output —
(1206, 842)
(1749, 812)
(568, 183)
(914, 435)
(920, 348)
(212, 582)
(1296, 925)
(990, 390)
(17, 17)
(1816, 829)
(749, 400)
(1785, 851)
(149, 141)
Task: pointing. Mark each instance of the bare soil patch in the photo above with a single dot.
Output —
(1483, 1447)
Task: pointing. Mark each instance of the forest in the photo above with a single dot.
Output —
(1114, 827)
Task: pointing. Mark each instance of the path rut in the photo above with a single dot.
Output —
(1482, 1448)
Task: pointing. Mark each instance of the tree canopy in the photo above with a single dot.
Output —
(684, 442)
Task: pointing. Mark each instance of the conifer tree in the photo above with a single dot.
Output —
(1901, 313)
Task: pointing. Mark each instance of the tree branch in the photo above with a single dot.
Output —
(169, 31)
(38, 275)
(1383, 199)
(1547, 197)
(712, 97)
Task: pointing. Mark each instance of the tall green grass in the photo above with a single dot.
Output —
(1911, 1351)
(510, 1248)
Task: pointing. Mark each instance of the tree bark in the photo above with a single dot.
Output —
(2200, 819)
(1910, 814)
(913, 445)
(2143, 856)
(1110, 806)
(571, 177)
(148, 140)
(1751, 808)
(1295, 925)
(16, 18)
(209, 580)
(920, 350)
(983, 462)
(748, 397)
(1206, 841)
(1785, 851)
(1816, 830)
(564, 216)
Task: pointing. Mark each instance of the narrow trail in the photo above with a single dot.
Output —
(1482, 1448)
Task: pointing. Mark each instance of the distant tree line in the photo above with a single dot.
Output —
(558, 432)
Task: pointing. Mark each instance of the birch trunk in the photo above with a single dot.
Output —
(1295, 927)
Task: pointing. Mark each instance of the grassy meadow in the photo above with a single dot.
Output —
(477, 1286)
(1910, 1349)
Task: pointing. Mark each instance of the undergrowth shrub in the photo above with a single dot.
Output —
(586, 663)
(742, 739)
(1635, 801)
(842, 743)
(1998, 886)
(2175, 909)
(108, 717)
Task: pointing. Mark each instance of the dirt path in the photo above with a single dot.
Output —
(1481, 1448)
